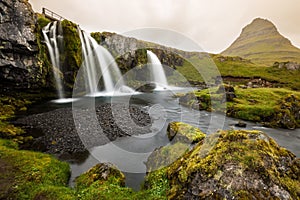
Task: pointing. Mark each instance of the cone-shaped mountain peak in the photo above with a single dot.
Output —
(261, 42)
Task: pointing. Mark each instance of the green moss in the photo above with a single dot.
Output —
(72, 54)
(33, 174)
(166, 155)
(104, 181)
(248, 152)
(157, 184)
(43, 56)
(183, 132)
(100, 173)
(275, 107)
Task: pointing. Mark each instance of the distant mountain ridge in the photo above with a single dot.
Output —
(261, 42)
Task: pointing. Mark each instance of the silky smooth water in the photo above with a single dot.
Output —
(53, 37)
(130, 153)
(157, 71)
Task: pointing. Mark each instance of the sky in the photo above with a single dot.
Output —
(211, 24)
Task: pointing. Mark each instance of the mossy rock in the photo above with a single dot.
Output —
(166, 155)
(241, 164)
(185, 133)
(71, 58)
(101, 172)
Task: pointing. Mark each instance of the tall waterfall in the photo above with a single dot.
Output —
(98, 62)
(158, 73)
(53, 38)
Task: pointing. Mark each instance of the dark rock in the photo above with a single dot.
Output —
(229, 91)
(241, 124)
(147, 88)
(19, 67)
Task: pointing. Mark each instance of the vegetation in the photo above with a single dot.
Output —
(185, 133)
(31, 175)
(44, 60)
(275, 107)
(236, 158)
(72, 54)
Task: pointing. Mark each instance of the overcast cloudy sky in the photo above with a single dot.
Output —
(212, 24)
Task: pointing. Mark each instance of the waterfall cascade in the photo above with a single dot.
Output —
(98, 62)
(158, 73)
(53, 38)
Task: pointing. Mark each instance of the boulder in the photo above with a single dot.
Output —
(102, 172)
(240, 165)
(185, 133)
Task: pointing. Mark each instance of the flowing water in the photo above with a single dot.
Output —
(53, 38)
(130, 153)
(99, 63)
(157, 71)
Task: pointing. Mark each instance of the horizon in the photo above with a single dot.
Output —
(219, 25)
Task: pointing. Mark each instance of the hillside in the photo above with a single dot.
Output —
(261, 42)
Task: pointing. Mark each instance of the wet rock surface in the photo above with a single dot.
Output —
(61, 135)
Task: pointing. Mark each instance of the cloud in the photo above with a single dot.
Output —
(212, 24)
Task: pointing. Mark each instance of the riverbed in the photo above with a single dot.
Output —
(130, 152)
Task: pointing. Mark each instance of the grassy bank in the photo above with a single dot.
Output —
(196, 69)
(275, 107)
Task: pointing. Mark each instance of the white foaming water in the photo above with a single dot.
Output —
(51, 39)
(158, 73)
(98, 62)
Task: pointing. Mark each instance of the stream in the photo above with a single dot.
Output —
(130, 153)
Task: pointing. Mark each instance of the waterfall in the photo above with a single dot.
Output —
(158, 73)
(53, 40)
(98, 62)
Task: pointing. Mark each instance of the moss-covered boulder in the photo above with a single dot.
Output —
(101, 173)
(241, 165)
(185, 133)
(288, 113)
(164, 156)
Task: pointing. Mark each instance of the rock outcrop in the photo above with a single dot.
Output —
(131, 53)
(287, 65)
(235, 164)
(19, 64)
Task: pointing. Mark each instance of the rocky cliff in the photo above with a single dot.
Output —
(19, 63)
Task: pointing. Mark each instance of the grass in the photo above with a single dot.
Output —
(197, 69)
(33, 174)
(275, 107)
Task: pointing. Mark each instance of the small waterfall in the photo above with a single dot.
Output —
(158, 73)
(53, 39)
(99, 62)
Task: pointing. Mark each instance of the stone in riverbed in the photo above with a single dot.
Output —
(185, 133)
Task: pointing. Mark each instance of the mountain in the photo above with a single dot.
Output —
(261, 42)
